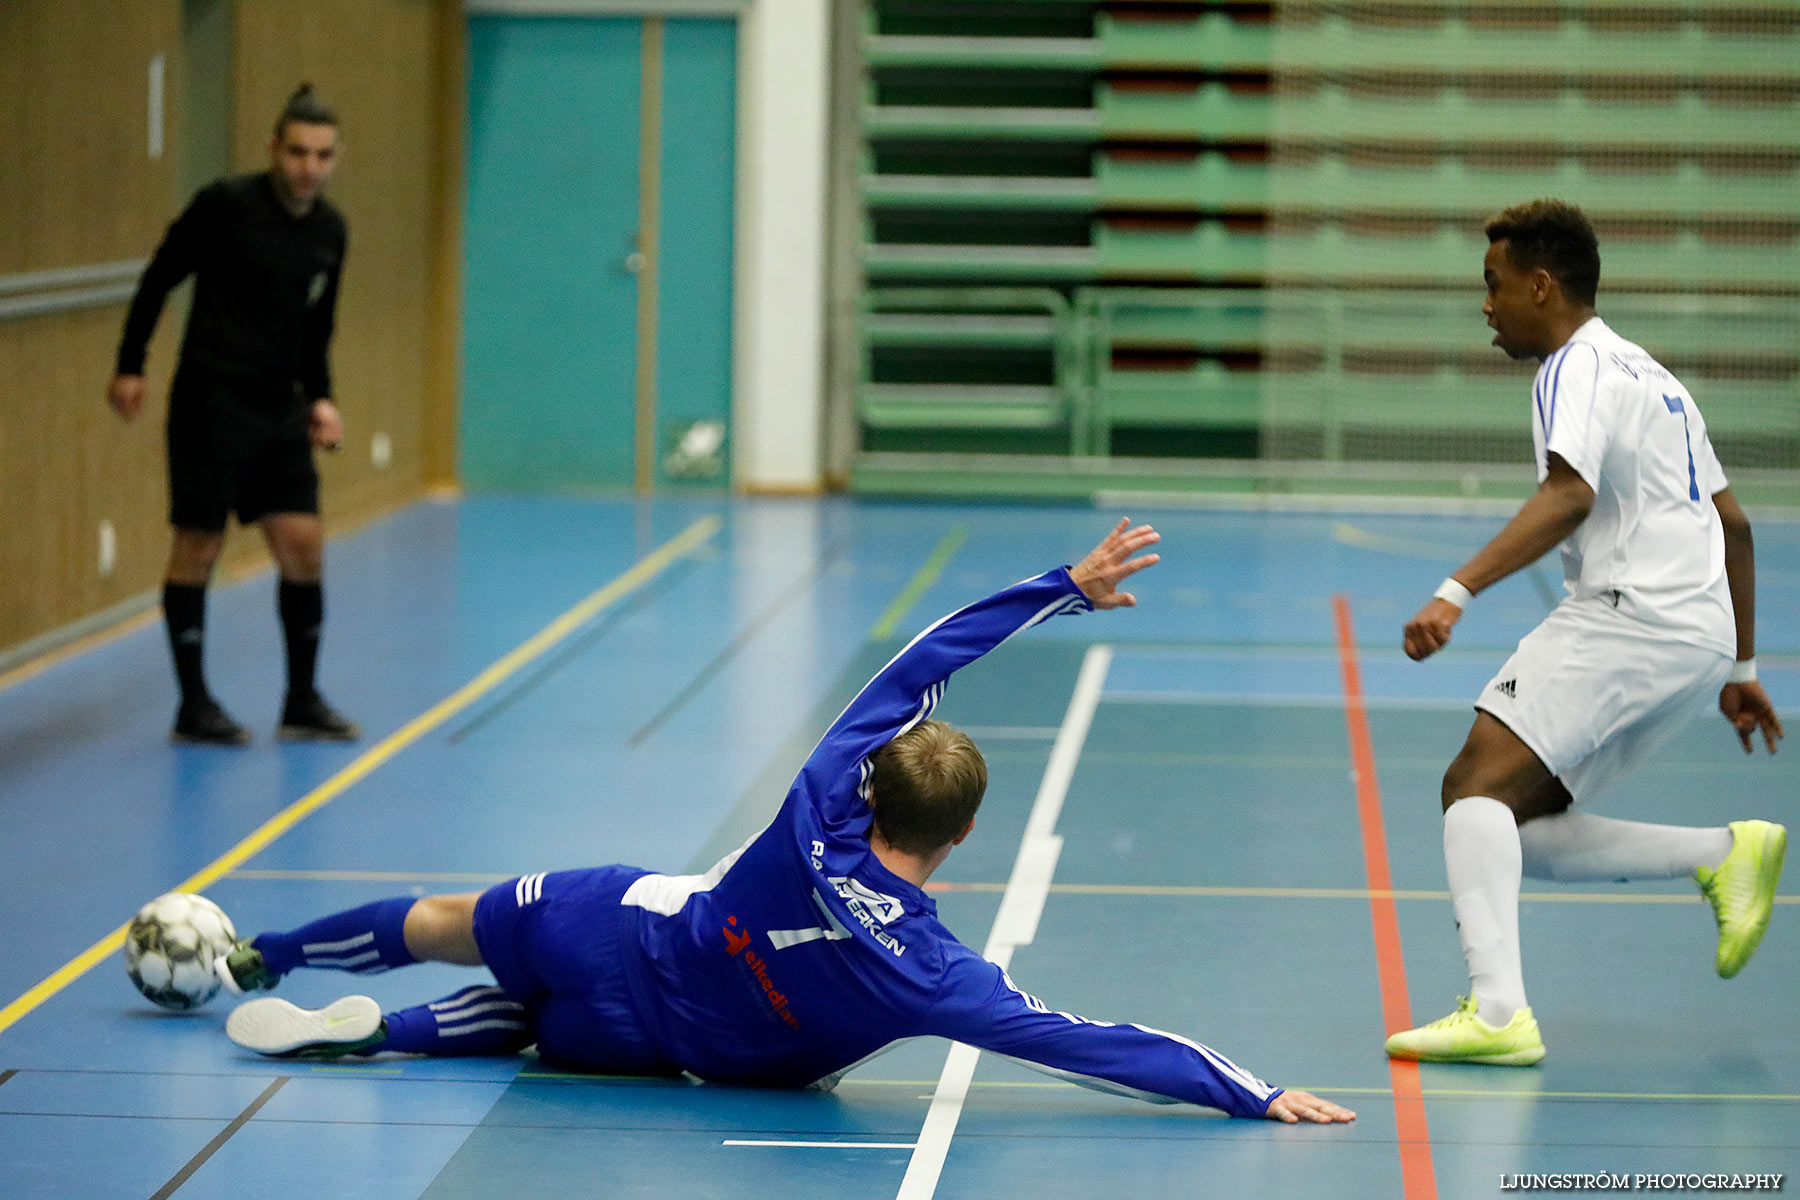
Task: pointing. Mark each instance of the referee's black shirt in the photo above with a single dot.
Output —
(265, 289)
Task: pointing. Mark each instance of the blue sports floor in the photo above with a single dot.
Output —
(1213, 878)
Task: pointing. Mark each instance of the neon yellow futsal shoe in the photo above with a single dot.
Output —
(1464, 1037)
(1742, 890)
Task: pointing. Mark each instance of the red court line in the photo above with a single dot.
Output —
(1417, 1178)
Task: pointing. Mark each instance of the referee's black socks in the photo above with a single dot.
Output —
(302, 614)
(184, 612)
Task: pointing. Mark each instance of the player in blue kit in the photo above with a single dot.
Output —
(800, 955)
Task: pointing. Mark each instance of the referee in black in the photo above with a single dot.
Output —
(251, 398)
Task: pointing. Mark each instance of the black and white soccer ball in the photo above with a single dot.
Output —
(171, 946)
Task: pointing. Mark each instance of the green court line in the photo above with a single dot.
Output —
(1305, 893)
(927, 575)
(629, 1080)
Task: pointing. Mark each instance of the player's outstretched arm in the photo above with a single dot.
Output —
(979, 1005)
(1111, 563)
(1743, 701)
(1555, 510)
(905, 691)
(1296, 1106)
(893, 697)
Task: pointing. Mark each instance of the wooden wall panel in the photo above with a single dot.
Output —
(77, 184)
(374, 62)
(67, 463)
(77, 187)
(444, 385)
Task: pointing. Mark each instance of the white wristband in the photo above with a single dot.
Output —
(1454, 592)
(1743, 671)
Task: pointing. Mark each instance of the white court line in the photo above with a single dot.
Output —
(1290, 700)
(1016, 923)
(824, 1145)
(984, 733)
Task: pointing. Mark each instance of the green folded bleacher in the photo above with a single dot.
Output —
(1263, 221)
(999, 359)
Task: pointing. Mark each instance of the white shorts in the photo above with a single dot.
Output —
(1593, 692)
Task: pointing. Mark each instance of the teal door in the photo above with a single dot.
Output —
(597, 309)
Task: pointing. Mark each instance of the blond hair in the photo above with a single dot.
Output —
(928, 783)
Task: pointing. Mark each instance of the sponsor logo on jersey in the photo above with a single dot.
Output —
(1508, 688)
(737, 945)
(735, 939)
(872, 910)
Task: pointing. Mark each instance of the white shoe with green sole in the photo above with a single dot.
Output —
(281, 1030)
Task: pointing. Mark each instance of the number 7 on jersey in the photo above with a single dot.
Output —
(1676, 406)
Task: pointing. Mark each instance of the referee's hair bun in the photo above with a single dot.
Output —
(305, 107)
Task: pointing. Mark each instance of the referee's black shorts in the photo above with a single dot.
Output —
(236, 446)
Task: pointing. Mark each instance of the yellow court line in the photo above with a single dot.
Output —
(646, 570)
(1787, 1097)
(79, 646)
(1304, 893)
(1329, 1090)
(1530, 1094)
(926, 576)
(1368, 539)
(254, 873)
(1064, 889)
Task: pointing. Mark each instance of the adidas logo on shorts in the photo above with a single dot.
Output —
(1508, 688)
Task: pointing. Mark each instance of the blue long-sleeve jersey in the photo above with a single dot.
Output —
(800, 954)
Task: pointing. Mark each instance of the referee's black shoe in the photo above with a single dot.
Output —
(307, 718)
(202, 722)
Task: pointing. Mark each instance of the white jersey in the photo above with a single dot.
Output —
(1653, 544)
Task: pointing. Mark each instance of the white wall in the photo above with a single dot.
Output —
(779, 323)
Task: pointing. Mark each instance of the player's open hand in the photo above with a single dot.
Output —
(1110, 563)
(1747, 707)
(126, 394)
(1429, 632)
(1295, 1106)
(325, 425)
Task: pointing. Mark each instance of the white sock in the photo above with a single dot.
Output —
(1482, 860)
(1573, 846)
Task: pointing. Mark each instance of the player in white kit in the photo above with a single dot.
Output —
(1658, 617)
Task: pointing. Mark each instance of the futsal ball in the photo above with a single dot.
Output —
(171, 946)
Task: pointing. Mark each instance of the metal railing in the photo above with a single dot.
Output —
(65, 289)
